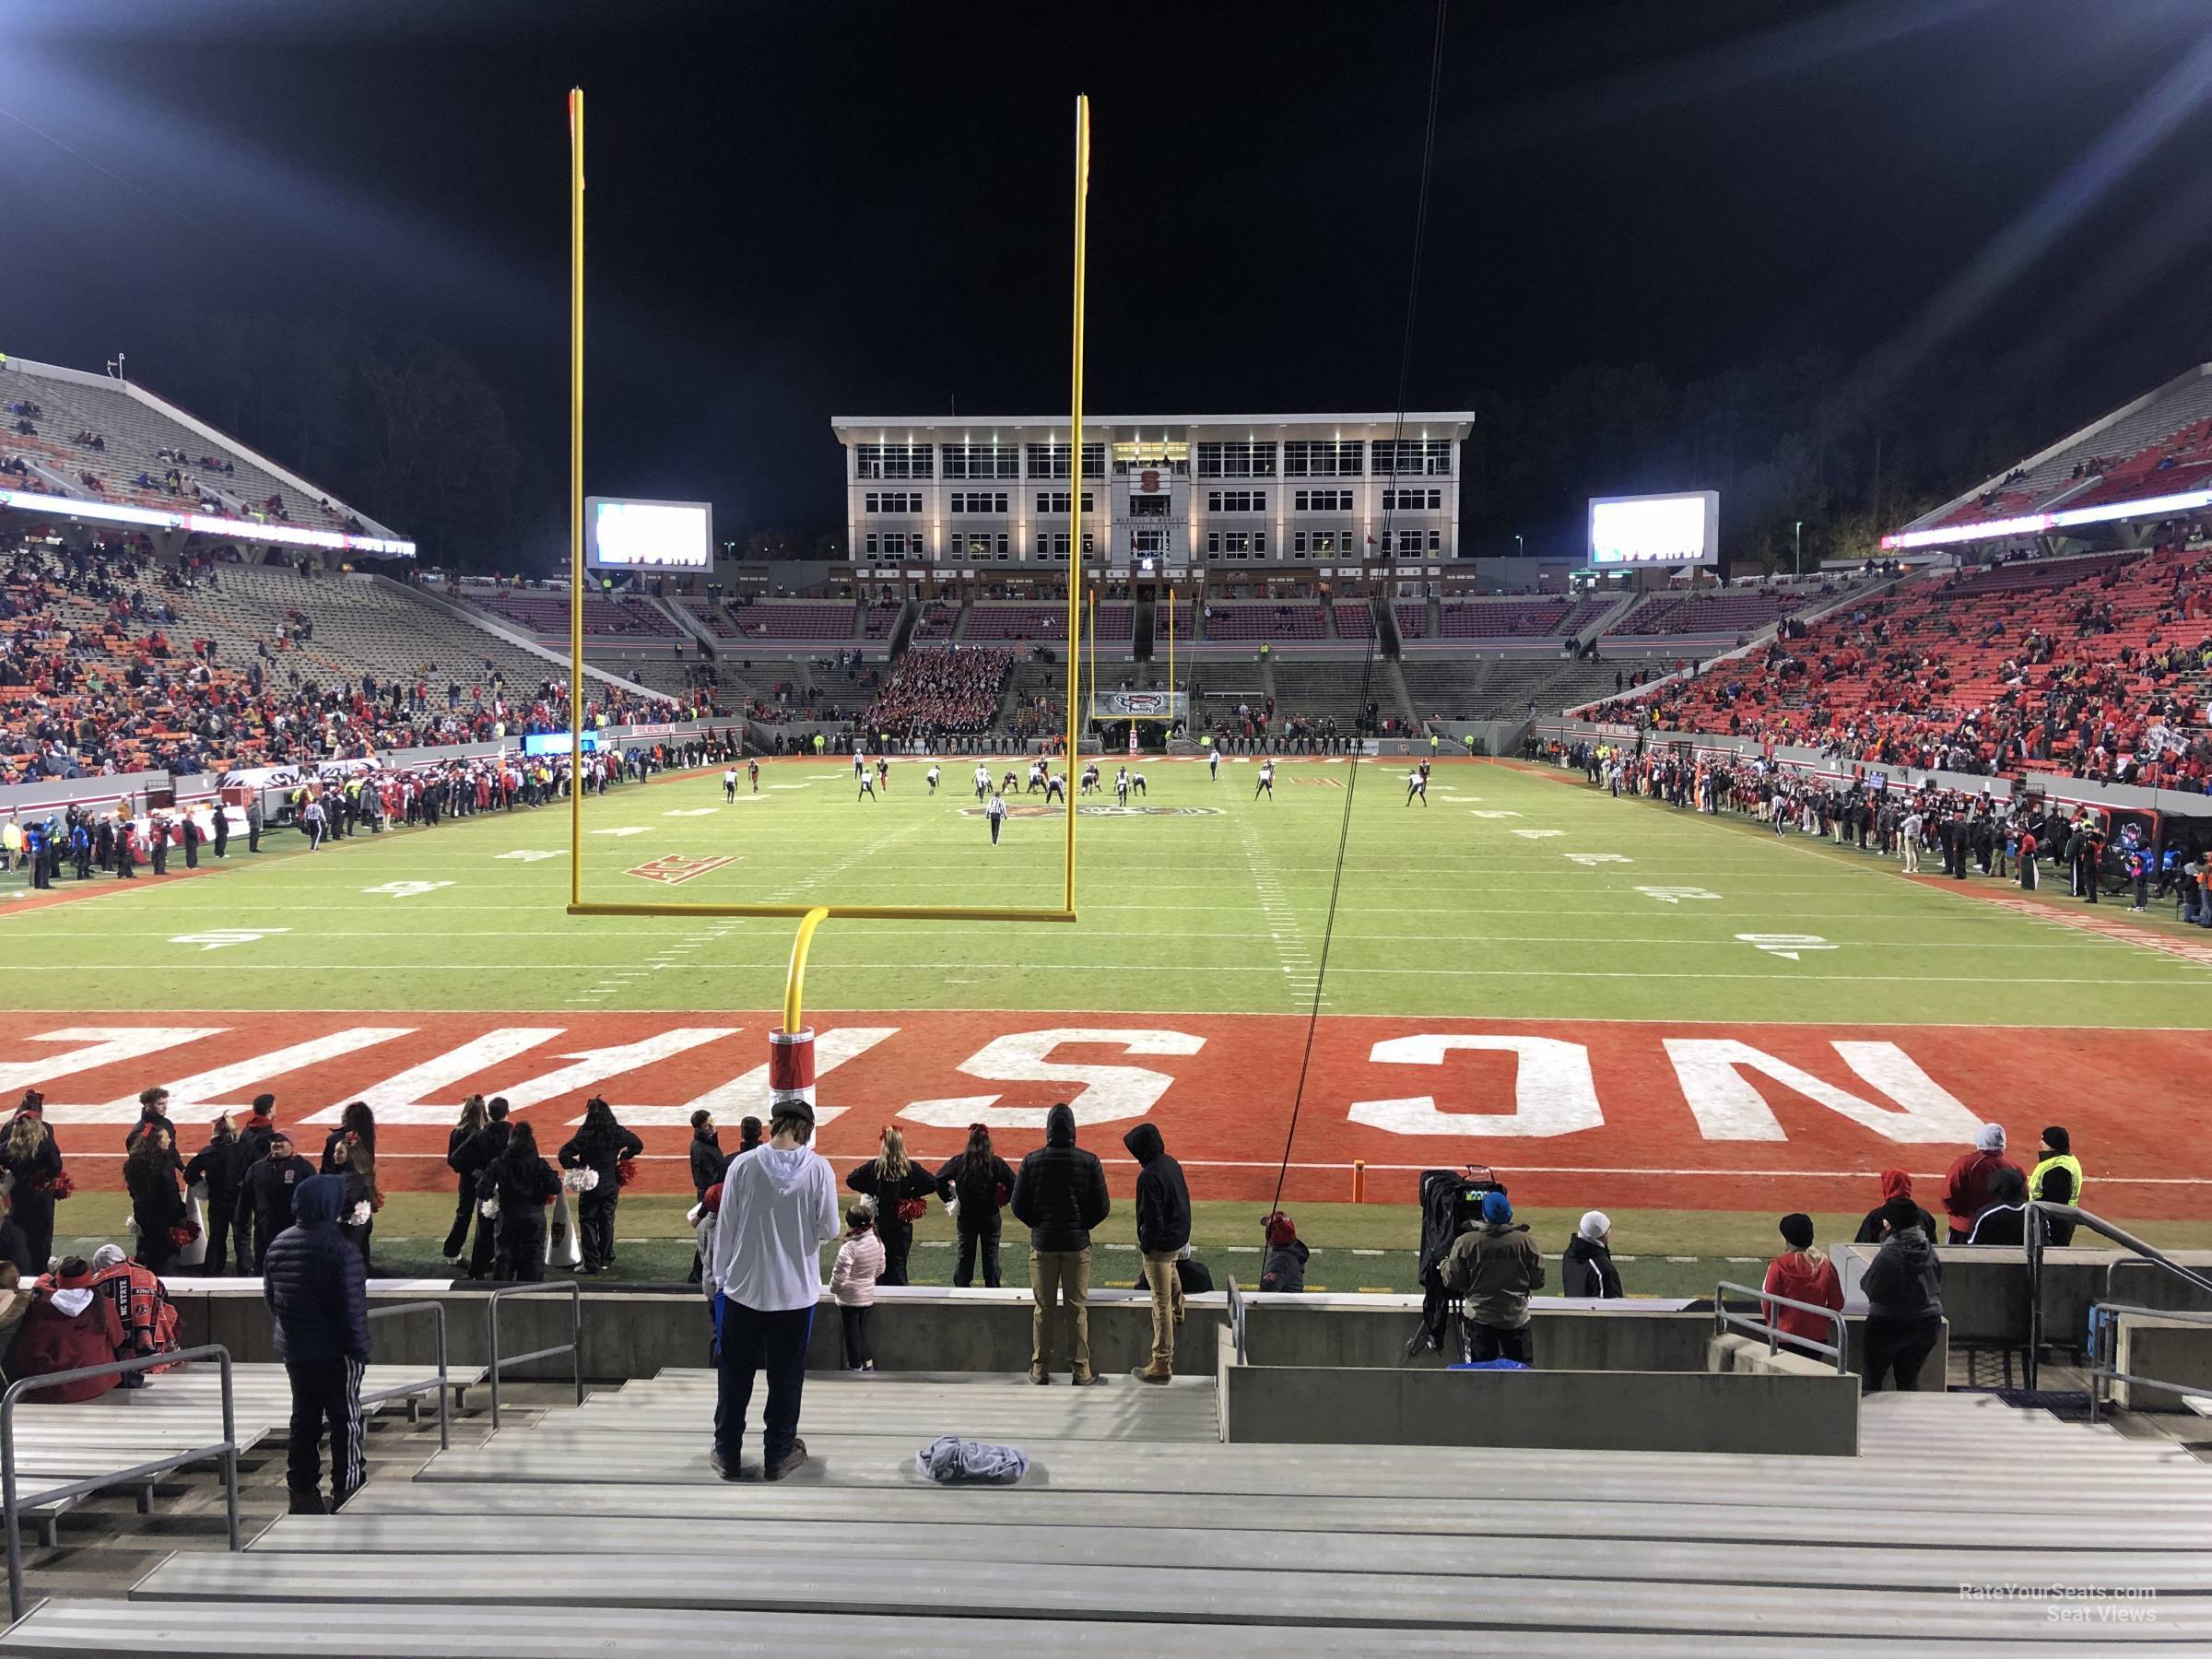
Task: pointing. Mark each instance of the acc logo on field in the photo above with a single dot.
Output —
(675, 868)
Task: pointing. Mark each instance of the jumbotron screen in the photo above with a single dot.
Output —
(620, 534)
(1655, 529)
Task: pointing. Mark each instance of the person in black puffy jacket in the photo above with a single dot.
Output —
(523, 1184)
(1163, 1231)
(1060, 1194)
(600, 1145)
(981, 1183)
(1586, 1268)
(221, 1163)
(316, 1286)
(467, 1128)
(152, 1175)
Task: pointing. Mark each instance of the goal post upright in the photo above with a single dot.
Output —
(791, 1054)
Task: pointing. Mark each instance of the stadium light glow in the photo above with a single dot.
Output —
(202, 524)
(2034, 523)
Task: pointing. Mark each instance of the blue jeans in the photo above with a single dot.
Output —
(752, 1341)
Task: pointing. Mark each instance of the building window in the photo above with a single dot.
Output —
(1050, 461)
(1321, 500)
(1235, 543)
(1054, 545)
(981, 461)
(1323, 458)
(978, 501)
(1056, 501)
(980, 544)
(1413, 457)
(894, 501)
(1415, 541)
(1413, 501)
(1142, 506)
(1145, 541)
(891, 460)
(1234, 500)
(892, 544)
(1254, 458)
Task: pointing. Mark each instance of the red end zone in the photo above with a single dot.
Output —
(1668, 1115)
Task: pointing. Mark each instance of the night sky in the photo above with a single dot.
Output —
(802, 210)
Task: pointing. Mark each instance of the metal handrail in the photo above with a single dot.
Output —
(1722, 1320)
(227, 1449)
(2040, 1211)
(2104, 1360)
(403, 1391)
(573, 1347)
(1236, 1319)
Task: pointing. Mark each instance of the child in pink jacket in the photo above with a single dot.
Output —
(853, 1283)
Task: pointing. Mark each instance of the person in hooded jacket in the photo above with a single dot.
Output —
(1903, 1287)
(1803, 1273)
(600, 1144)
(1163, 1233)
(2057, 1179)
(901, 1189)
(522, 1184)
(1587, 1268)
(317, 1289)
(32, 1159)
(260, 1124)
(1493, 1267)
(975, 1184)
(70, 1326)
(1895, 1185)
(269, 1187)
(2005, 1221)
(221, 1163)
(1284, 1267)
(1060, 1194)
(1966, 1187)
(478, 1157)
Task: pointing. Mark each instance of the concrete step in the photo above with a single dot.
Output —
(768, 1543)
(376, 1630)
(2093, 1527)
(1084, 1594)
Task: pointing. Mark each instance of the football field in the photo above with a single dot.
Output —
(1614, 1002)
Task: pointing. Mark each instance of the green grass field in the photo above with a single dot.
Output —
(1473, 906)
(1514, 895)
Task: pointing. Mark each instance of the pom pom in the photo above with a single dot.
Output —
(626, 1171)
(183, 1233)
(62, 1186)
(489, 1209)
(359, 1214)
(580, 1181)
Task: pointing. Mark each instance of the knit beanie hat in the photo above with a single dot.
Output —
(1797, 1230)
(2058, 1140)
(1497, 1209)
(1595, 1225)
(1990, 1138)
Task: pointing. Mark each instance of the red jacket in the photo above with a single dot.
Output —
(1966, 1187)
(1796, 1277)
(53, 1338)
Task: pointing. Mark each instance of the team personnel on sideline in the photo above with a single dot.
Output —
(996, 812)
(1266, 783)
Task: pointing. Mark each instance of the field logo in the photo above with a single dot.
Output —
(216, 937)
(1674, 894)
(674, 869)
(1598, 858)
(1785, 945)
(408, 889)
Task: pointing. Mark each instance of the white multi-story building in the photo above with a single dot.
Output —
(1180, 491)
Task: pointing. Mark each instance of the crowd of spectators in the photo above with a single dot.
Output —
(2101, 676)
(94, 685)
(949, 691)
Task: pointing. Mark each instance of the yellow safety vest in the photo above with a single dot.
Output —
(2061, 1162)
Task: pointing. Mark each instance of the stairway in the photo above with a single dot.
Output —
(1137, 1530)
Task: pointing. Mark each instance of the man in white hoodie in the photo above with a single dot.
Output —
(778, 1208)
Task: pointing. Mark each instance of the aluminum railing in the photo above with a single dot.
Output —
(225, 1449)
(407, 1390)
(2104, 1338)
(573, 1348)
(2040, 1215)
(1722, 1320)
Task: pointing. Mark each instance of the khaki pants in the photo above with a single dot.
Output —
(1056, 1276)
(1167, 1311)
